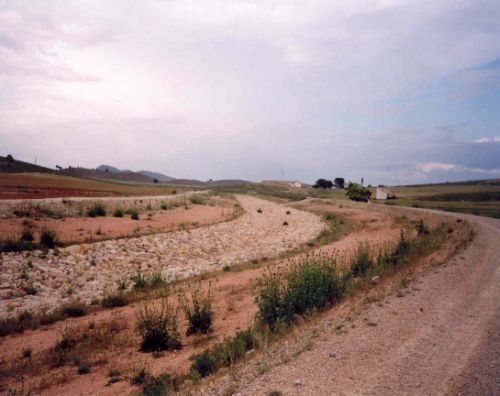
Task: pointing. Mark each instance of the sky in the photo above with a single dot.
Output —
(396, 92)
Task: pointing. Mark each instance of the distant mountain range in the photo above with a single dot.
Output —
(151, 175)
(108, 172)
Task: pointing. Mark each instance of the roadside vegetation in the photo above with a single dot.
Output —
(47, 239)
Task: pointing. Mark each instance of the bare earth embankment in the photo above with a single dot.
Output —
(439, 334)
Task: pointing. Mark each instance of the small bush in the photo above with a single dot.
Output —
(204, 363)
(285, 223)
(157, 326)
(27, 352)
(74, 310)
(48, 238)
(139, 376)
(223, 354)
(114, 300)
(158, 386)
(309, 284)
(83, 368)
(27, 233)
(139, 280)
(361, 261)
(421, 228)
(97, 209)
(259, 210)
(356, 192)
(156, 279)
(198, 311)
(134, 214)
(196, 199)
(118, 212)
(329, 216)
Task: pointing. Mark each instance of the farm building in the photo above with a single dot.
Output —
(384, 193)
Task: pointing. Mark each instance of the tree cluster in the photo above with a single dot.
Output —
(324, 183)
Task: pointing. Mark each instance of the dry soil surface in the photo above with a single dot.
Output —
(88, 271)
(441, 336)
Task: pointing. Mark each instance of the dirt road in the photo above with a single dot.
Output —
(441, 336)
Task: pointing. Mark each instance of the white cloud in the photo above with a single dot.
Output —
(490, 139)
(297, 80)
(428, 167)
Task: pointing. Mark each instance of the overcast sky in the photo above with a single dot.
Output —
(392, 91)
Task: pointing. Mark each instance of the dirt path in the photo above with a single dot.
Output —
(440, 337)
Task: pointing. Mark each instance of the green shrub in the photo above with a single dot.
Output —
(118, 212)
(356, 192)
(139, 376)
(83, 368)
(196, 199)
(134, 214)
(157, 326)
(309, 284)
(421, 228)
(329, 216)
(223, 354)
(27, 352)
(27, 233)
(158, 386)
(139, 280)
(198, 311)
(361, 261)
(97, 209)
(114, 300)
(74, 310)
(156, 279)
(204, 363)
(48, 238)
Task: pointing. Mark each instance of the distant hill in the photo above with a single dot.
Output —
(108, 168)
(124, 176)
(155, 175)
(11, 165)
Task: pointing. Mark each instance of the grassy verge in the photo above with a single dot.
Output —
(309, 285)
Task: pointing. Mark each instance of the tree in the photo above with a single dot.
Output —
(10, 159)
(155, 180)
(323, 183)
(339, 182)
(356, 192)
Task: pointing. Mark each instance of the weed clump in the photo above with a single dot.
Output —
(361, 261)
(421, 228)
(97, 210)
(198, 311)
(27, 232)
(223, 354)
(157, 326)
(158, 385)
(114, 300)
(196, 199)
(118, 212)
(309, 284)
(74, 310)
(48, 238)
(134, 214)
(83, 368)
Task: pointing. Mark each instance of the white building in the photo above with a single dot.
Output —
(384, 193)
